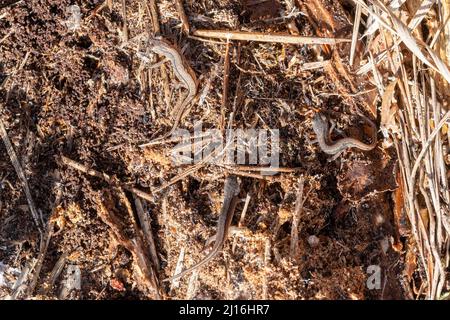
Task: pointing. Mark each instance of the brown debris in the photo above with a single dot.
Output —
(109, 214)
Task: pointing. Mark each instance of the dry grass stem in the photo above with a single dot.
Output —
(265, 37)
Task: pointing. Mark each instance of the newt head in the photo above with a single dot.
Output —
(320, 124)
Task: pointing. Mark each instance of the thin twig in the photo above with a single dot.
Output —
(152, 9)
(242, 219)
(226, 82)
(252, 175)
(265, 37)
(296, 219)
(20, 174)
(261, 169)
(125, 22)
(355, 33)
(267, 270)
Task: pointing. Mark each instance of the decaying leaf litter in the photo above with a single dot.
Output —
(86, 105)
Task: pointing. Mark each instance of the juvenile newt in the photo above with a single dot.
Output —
(321, 129)
(223, 224)
(182, 71)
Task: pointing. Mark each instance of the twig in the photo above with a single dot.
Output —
(262, 169)
(266, 37)
(439, 157)
(152, 9)
(214, 154)
(192, 285)
(80, 167)
(20, 174)
(45, 240)
(97, 10)
(125, 22)
(13, 3)
(178, 268)
(405, 166)
(267, 255)
(153, 12)
(186, 173)
(174, 139)
(184, 19)
(241, 219)
(138, 242)
(252, 175)
(355, 33)
(296, 218)
(226, 82)
(19, 285)
(6, 36)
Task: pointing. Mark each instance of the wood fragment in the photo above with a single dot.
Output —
(80, 167)
(145, 222)
(56, 272)
(20, 284)
(355, 33)
(192, 285)
(178, 268)
(152, 9)
(133, 245)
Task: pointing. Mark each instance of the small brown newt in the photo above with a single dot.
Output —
(223, 224)
(321, 129)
